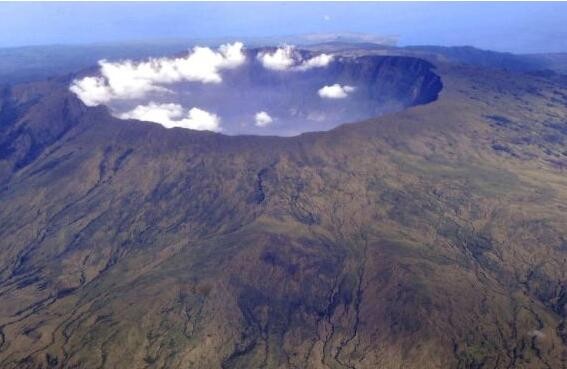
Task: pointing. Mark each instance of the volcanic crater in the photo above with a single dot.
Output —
(259, 98)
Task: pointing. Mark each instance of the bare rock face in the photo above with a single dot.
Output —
(408, 241)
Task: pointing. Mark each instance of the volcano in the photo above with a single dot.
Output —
(433, 235)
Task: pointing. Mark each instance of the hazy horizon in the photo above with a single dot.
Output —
(513, 27)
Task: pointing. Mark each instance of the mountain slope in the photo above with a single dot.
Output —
(431, 238)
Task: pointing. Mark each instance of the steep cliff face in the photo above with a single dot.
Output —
(429, 238)
(409, 81)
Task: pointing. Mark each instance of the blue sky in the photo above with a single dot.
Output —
(516, 27)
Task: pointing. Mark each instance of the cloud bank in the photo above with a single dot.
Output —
(287, 58)
(263, 119)
(335, 91)
(174, 115)
(131, 80)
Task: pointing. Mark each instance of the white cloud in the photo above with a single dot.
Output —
(131, 80)
(263, 119)
(287, 58)
(91, 90)
(319, 61)
(174, 115)
(281, 59)
(326, 18)
(335, 91)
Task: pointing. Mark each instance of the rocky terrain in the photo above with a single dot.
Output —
(434, 237)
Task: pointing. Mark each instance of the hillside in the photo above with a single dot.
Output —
(435, 237)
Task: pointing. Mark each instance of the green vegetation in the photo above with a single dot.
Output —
(407, 241)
